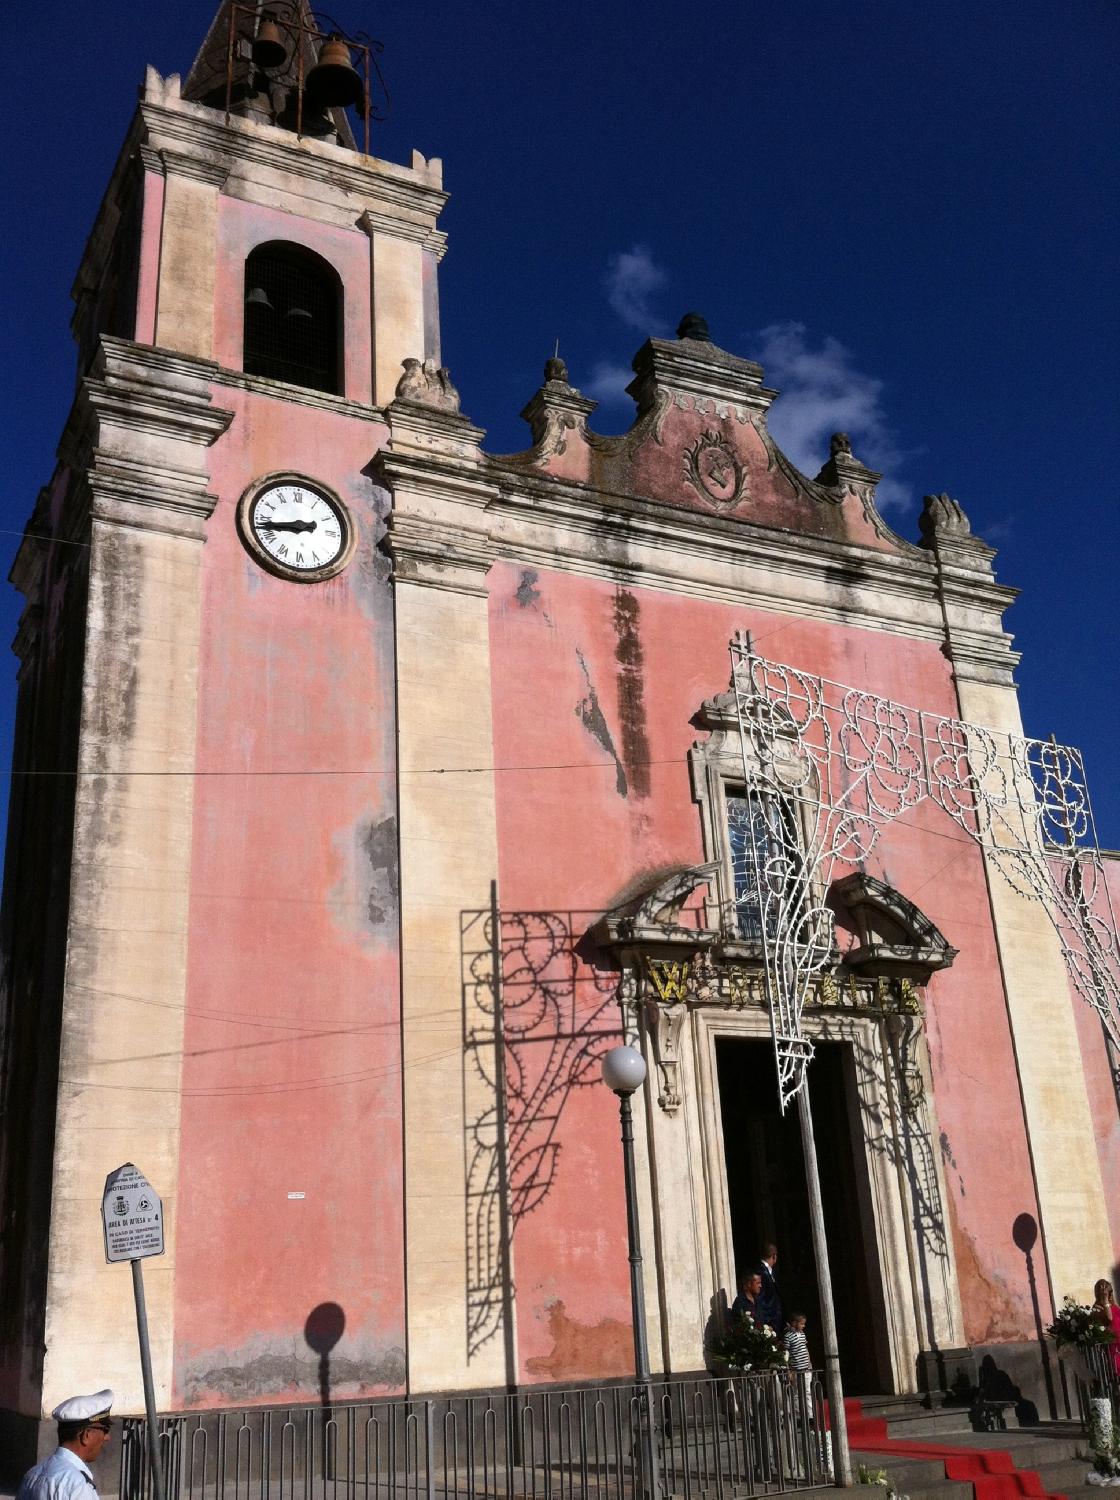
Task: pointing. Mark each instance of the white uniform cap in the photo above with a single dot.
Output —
(84, 1408)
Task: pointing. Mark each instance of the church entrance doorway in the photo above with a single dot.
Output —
(768, 1199)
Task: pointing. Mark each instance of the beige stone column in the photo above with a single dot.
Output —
(138, 440)
(188, 254)
(397, 297)
(1074, 1222)
(448, 853)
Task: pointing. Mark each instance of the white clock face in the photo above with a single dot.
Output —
(299, 530)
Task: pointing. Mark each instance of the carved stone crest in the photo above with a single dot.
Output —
(713, 469)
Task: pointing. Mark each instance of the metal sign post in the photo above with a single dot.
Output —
(132, 1217)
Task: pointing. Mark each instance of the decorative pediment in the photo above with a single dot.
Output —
(652, 918)
(896, 939)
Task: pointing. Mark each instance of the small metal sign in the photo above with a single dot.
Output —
(132, 1215)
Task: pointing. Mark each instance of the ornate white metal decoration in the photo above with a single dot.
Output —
(827, 768)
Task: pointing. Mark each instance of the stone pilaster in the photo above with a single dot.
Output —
(188, 253)
(137, 444)
(1071, 1199)
(441, 551)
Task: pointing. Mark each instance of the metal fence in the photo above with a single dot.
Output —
(709, 1439)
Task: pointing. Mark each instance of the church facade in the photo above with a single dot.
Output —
(403, 779)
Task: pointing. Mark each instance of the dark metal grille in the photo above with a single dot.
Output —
(709, 1440)
(292, 320)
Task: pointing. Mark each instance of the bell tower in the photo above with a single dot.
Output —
(200, 926)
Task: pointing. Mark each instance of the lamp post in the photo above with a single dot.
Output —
(624, 1072)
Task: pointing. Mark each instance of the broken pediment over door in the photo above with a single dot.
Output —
(896, 940)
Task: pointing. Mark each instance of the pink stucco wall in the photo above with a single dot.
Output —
(291, 1073)
(571, 652)
(244, 226)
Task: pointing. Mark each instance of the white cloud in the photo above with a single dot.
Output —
(608, 383)
(633, 276)
(822, 393)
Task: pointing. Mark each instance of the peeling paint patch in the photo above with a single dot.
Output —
(630, 657)
(584, 1350)
(527, 594)
(591, 716)
(992, 1313)
(288, 1369)
(364, 899)
(380, 847)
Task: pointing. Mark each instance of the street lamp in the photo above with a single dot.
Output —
(624, 1072)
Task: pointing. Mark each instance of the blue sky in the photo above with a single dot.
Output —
(908, 213)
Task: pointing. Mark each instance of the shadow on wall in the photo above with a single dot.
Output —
(522, 1058)
(1024, 1233)
(324, 1327)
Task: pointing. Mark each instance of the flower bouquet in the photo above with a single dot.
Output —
(747, 1346)
(1077, 1333)
(1076, 1325)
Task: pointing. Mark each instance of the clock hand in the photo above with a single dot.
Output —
(288, 525)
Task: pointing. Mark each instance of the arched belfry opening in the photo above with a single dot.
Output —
(293, 317)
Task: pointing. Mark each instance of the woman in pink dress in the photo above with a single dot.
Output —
(1106, 1312)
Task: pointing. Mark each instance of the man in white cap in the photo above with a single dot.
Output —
(84, 1425)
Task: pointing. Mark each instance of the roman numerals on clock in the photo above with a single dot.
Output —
(296, 530)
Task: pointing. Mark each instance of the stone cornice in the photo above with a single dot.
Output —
(402, 202)
(698, 367)
(137, 441)
(571, 528)
(199, 169)
(437, 532)
(296, 395)
(438, 554)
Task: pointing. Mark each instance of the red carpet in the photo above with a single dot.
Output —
(990, 1471)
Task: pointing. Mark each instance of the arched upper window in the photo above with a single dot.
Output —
(293, 318)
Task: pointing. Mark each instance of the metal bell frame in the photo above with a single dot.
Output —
(301, 24)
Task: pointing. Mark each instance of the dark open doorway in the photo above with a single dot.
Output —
(768, 1200)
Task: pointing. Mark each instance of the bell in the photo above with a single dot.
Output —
(334, 81)
(299, 313)
(269, 50)
(258, 297)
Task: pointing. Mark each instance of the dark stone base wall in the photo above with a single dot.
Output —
(1032, 1375)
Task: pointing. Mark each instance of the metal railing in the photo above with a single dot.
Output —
(711, 1439)
(1097, 1380)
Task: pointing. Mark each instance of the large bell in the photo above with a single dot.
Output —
(334, 81)
(269, 50)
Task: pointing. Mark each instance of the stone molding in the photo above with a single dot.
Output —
(551, 523)
(198, 169)
(436, 533)
(405, 199)
(296, 395)
(698, 367)
(972, 602)
(137, 439)
(377, 221)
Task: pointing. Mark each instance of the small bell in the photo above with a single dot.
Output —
(334, 81)
(269, 50)
(300, 314)
(258, 297)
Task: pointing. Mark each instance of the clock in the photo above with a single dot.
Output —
(295, 529)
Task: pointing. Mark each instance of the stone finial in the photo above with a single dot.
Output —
(693, 326)
(427, 384)
(842, 468)
(556, 369)
(942, 516)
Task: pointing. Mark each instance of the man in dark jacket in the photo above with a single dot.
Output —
(769, 1300)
